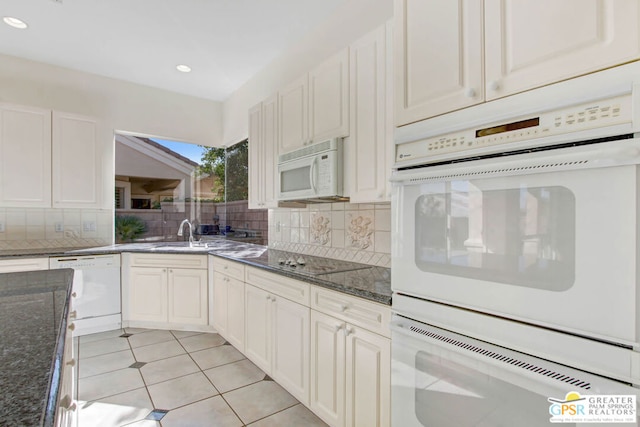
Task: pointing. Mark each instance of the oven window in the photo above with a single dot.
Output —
(295, 179)
(522, 236)
(450, 394)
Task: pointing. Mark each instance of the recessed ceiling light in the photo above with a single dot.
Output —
(183, 68)
(15, 22)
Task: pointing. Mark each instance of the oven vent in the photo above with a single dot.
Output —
(499, 171)
(505, 359)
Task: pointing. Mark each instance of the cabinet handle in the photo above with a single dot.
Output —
(337, 328)
(72, 327)
(343, 307)
(74, 294)
(164, 270)
(469, 92)
(67, 403)
(494, 85)
(347, 331)
(71, 362)
(226, 267)
(73, 314)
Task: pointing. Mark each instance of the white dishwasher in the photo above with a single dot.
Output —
(96, 291)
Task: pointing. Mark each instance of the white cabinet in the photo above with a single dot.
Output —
(315, 107)
(228, 300)
(25, 156)
(49, 159)
(329, 98)
(67, 410)
(501, 47)
(11, 265)
(438, 57)
(533, 43)
(165, 291)
(350, 364)
(76, 158)
(263, 147)
(368, 149)
(293, 115)
(277, 329)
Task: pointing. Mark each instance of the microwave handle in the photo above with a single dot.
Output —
(312, 174)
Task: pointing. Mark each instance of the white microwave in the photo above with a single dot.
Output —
(312, 173)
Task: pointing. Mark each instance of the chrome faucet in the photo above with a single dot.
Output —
(186, 221)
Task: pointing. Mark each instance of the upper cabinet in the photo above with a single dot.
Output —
(25, 156)
(368, 149)
(438, 57)
(76, 175)
(315, 107)
(501, 48)
(329, 98)
(263, 137)
(534, 43)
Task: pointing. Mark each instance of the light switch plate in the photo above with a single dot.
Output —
(59, 227)
(89, 226)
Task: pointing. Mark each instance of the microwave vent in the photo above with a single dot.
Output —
(496, 355)
(318, 147)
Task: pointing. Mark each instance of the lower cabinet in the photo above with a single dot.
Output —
(163, 292)
(23, 264)
(350, 365)
(277, 339)
(228, 300)
(67, 411)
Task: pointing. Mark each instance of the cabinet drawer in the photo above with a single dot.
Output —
(366, 314)
(23, 264)
(230, 268)
(168, 261)
(283, 286)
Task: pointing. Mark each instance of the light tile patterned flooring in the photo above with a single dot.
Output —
(151, 378)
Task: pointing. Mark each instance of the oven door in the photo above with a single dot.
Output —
(548, 237)
(442, 379)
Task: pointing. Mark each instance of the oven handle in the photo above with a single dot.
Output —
(312, 175)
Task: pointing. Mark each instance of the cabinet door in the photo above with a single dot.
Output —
(148, 294)
(235, 313)
(290, 367)
(76, 159)
(220, 305)
(188, 296)
(368, 378)
(270, 151)
(533, 43)
(25, 156)
(256, 170)
(329, 98)
(370, 142)
(438, 57)
(258, 327)
(293, 115)
(327, 368)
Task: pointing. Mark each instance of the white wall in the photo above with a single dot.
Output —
(123, 106)
(354, 19)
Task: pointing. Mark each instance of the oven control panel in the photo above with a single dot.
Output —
(599, 114)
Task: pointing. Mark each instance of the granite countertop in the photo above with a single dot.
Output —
(363, 280)
(33, 313)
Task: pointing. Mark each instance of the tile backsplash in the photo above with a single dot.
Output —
(35, 228)
(353, 232)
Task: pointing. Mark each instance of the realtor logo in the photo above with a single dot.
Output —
(575, 408)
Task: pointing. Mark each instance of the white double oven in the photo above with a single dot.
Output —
(515, 257)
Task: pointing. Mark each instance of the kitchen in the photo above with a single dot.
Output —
(144, 110)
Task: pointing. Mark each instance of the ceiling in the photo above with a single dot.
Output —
(225, 42)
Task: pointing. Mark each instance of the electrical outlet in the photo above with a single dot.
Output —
(89, 226)
(1, 227)
(59, 227)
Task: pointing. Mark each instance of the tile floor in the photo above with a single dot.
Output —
(147, 378)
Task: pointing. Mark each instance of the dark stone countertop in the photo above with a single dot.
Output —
(33, 313)
(368, 282)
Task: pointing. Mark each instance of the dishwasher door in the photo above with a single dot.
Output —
(96, 291)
